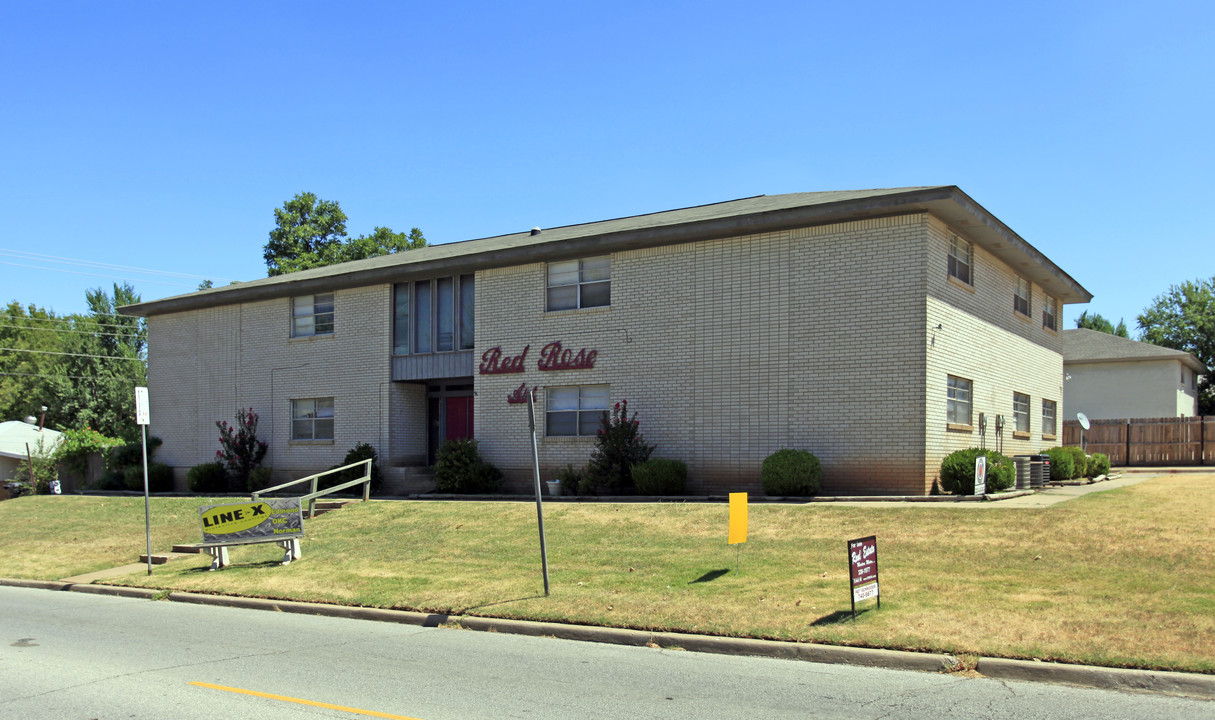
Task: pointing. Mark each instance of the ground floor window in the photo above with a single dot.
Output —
(312, 419)
(574, 410)
(959, 400)
(1048, 417)
(1021, 412)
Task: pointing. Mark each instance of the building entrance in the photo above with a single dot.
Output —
(449, 414)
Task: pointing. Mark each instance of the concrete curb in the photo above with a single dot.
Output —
(1172, 683)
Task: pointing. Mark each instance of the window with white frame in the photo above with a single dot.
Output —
(575, 410)
(312, 419)
(1050, 313)
(961, 259)
(312, 315)
(1048, 417)
(1021, 298)
(582, 283)
(959, 404)
(1020, 412)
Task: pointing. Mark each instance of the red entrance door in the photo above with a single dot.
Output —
(459, 418)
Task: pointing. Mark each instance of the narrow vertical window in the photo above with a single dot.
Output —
(422, 324)
(1048, 417)
(1050, 313)
(446, 312)
(468, 297)
(1021, 412)
(958, 401)
(400, 319)
(1022, 295)
(961, 259)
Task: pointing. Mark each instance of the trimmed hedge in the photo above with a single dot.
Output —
(460, 469)
(660, 476)
(1098, 464)
(958, 471)
(791, 473)
(1062, 463)
(160, 477)
(208, 478)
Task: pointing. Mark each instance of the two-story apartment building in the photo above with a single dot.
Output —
(879, 329)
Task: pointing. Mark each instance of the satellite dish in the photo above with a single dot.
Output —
(1084, 423)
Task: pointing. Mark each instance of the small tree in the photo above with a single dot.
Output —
(239, 448)
(618, 447)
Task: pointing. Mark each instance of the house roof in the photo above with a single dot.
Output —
(1090, 346)
(759, 214)
(14, 434)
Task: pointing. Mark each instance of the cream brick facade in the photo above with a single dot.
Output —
(822, 337)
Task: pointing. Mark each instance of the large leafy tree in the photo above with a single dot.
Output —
(1100, 324)
(32, 340)
(1184, 319)
(310, 232)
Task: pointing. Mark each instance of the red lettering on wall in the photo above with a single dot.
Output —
(519, 395)
(553, 357)
(493, 363)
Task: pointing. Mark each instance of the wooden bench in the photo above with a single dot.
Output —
(219, 550)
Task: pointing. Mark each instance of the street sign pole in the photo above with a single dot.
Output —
(141, 417)
(531, 423)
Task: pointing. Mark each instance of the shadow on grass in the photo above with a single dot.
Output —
(840, 616)
(710, 576)
(503, 602)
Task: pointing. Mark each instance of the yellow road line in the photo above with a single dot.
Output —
(313, 703)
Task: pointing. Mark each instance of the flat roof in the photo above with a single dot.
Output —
(745, 216)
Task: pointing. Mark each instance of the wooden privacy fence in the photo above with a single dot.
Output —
(1148, 441)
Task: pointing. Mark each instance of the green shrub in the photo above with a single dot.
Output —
(618, 447)
(160, 477)
(208, 478)
(1062, 463)
(259, 479)
(958, 471)
(660, 476)
(1098, 464)
(128, 454)
(460, 469)
(571, 479)
(360, 452)
(789, 472)
(1079, 462)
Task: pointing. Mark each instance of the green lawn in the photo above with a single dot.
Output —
(1121, 578)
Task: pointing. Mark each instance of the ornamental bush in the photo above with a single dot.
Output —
(1062, 463)
(239, 448)
(208, 478)
(160, 477)
(618, 447)
(791, 473)
(1079, 462)
(660, 476)
(460, 469)
(362, 451)
(958, 471)
(571, 479)
(1098, 464)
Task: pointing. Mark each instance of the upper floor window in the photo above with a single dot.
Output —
(575, 410)
(312, 419)
(434, 315)
(1021, 412)
(961, 259)
(959, 400)
(1048, 417)
(312, 315)
(580, 283)
(1021, 298)
(1050, 313)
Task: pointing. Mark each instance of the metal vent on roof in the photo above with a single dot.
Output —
(535, 231)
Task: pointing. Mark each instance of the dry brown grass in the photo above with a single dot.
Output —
(1122, 577)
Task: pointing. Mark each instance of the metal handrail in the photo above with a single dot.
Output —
(313, 493)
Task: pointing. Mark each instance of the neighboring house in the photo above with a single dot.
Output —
(1111, 377)
(875, 328)
(14, 437)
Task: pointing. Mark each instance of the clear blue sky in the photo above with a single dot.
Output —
(162, 135)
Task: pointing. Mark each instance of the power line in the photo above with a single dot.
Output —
(51, 352)
(70, 377)
(79, 322)
(77, 272)
(64, 330)
(102, 265)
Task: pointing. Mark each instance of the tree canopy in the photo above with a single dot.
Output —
(83, 367)
(1184, 319)
(310, 232)
(1100, 324)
